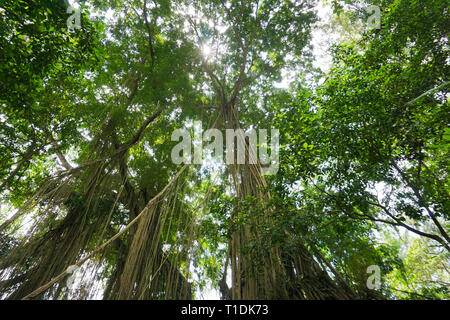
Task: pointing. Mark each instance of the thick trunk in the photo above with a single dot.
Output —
(270, 272)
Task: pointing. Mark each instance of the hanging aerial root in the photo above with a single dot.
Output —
(268, 271)
(162, 245)
(63, 274)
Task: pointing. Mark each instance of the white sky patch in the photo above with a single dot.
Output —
(206, 50)
(74, 4)
(321, 39)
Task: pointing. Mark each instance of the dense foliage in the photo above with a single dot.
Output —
(87, 179)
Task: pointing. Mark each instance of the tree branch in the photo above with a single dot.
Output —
(59, 154)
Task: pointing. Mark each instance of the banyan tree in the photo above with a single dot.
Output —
(97, 208)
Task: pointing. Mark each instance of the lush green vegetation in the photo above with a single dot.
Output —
(87, 179)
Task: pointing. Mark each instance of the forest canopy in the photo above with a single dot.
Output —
(329, 176)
